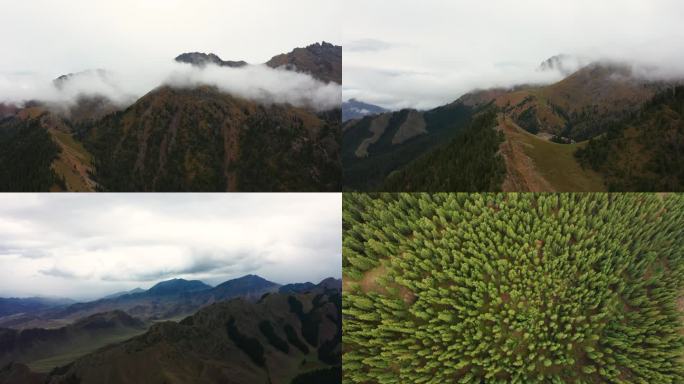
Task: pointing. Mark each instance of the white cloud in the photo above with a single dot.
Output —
(433, 51)
(254, 82)
(89, 245)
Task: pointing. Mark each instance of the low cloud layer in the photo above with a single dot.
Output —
(92, 245)
(254, 82)
(427, 54)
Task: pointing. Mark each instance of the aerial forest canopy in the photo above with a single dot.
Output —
(513, 288)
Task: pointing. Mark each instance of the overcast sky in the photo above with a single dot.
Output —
(85, 246)
(427, 53)
(137, 40)
(72, 35)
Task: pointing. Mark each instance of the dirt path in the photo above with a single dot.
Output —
(521, 173)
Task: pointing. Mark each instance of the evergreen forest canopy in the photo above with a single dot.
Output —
(513, 288)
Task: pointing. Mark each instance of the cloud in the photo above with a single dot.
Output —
(367, 45)
(443, 49)
(263, 84)
(92, 245)
(61, 273)
(254, 82)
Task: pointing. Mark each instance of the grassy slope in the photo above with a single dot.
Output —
(556, 162)
(73, 163)
(73, 352)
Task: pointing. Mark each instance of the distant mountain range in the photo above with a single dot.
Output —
(245, 332)
(541, 131)
(173, 139)
(354, 109)
(11, 306)
(122, 293)
(165, 300)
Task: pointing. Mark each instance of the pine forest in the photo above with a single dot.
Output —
(513, 288)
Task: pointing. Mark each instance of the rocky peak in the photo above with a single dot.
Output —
(200, 59)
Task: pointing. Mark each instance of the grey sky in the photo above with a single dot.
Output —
(137, 40)
(72, 35)
(85, 246)
(428, 53)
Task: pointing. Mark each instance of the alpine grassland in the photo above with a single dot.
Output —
(513, 288)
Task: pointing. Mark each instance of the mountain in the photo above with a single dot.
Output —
(100, 74)
(645, 150)
(321, 60)
(249, 287)
(165, 300)
(469, 162)
(280, 339)
(543, 127)
(581, 105)
(563, 64)
(354, 109)
(175, 139)
(326, 284)
(11, 306)
(203, 140)
(202, 59)
(177, 286)
(122, 293)
(44, 349)
(297, 288)
(46, 156)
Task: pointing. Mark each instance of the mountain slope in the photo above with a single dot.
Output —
(249, 287)
(534, 164)
(272, 341)
(644, 151)
(577, 107)
(27, 153)
(44, 349)
(321, 60)
(469, 162)
(203, 140)
(177, 286)
(324, 285)
(375, 146)
(122, 293)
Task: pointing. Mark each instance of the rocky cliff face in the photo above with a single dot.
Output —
(322, 60)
